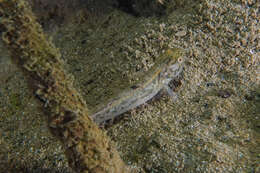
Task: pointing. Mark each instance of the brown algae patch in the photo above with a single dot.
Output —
(26, 143)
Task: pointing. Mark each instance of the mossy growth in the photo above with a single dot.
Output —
(67, 113)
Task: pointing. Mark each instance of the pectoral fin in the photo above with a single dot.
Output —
(172, 94)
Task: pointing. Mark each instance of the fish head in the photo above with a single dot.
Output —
(175, 65)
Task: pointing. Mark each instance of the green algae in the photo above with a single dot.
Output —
(15, 101)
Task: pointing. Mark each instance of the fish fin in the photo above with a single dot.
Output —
(172, 94)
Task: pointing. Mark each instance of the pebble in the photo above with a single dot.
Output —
(224, 94)
(181, 33)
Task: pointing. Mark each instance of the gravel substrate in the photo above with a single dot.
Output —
(214, 126)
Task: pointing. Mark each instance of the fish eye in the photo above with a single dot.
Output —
(180, 60)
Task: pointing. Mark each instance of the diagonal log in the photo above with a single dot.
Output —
(87, 148)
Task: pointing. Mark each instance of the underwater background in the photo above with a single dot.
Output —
(213, 126)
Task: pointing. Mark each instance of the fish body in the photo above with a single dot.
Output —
(169, 67)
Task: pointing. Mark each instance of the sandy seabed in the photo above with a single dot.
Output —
(214, 126)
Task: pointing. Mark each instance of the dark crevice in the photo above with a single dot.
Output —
(144, 8)
(127, 6)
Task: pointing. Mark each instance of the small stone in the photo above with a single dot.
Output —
(181, 33)
(210, 84)
(224, 93)
(243, 42)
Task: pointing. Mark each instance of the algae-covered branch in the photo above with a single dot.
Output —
(87, 147)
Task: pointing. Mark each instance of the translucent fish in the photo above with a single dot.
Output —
(170, 66)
